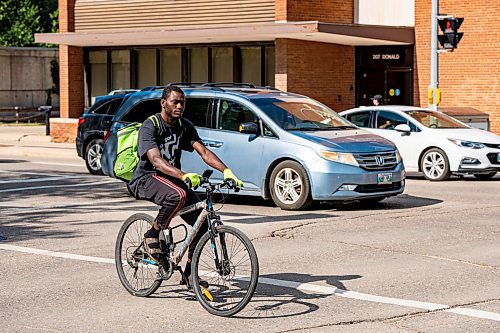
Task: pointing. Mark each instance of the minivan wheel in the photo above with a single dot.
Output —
(289, 186)
(435, 165)
(484, 176)
(93, 154)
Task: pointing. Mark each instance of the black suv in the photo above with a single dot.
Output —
(92, 126)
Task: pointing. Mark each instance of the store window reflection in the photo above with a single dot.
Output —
(146, 68)
(198, 64)
(120, 69)
(98, 74)
(171, 65)
(251, 65)
(222, 64)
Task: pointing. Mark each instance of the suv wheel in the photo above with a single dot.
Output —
(93, 154)
(435, 165)
(289, 186)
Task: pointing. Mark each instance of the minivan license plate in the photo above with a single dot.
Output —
(384, 178)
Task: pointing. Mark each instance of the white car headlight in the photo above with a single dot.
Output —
(346, 158)
(467, 144)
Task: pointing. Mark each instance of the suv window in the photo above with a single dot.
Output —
(114, 105)
(389, 120)
(142, 110)
(231, 114)
(361, 119)
(106, 107)
(197, 110)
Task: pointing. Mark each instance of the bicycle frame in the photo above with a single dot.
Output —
(176, 258)
(205, 214)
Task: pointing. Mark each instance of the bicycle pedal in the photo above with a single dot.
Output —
(207, 293)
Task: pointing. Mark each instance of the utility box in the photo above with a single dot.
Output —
(469, 116)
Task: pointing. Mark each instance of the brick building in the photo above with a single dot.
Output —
(338, 52)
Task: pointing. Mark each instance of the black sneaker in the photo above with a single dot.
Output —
(202, 283)
(152, 245)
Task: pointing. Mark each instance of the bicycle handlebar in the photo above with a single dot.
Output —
(205, 182)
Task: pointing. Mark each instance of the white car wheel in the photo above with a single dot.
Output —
(435, 165)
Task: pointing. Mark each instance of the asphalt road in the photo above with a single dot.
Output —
(425, 261)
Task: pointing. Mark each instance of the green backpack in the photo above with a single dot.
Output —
(126, 152)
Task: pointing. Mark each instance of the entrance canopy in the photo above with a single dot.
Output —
(344, 34)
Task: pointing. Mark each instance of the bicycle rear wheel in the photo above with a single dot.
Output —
(137, 274)
(230, 285)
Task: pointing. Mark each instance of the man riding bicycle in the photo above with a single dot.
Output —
(159, 177)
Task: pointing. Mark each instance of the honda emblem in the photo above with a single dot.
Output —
(380, 160)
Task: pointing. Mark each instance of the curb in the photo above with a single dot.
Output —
(10, 150)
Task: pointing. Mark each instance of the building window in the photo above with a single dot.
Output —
(120, 69)
(140, 67)
(170, 66)
(269, 72)
(98, 74)
(251, 65)
(222, 64)
(198, 64)
(146, 68)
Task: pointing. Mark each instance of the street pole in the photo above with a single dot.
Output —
(434, 55)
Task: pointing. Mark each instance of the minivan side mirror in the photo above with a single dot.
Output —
(249, 128)
(403, 128)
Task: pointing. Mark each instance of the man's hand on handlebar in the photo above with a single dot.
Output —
(191, 179)
(231, 178)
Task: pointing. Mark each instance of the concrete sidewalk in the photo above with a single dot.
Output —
(31, 141)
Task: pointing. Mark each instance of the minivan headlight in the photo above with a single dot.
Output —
(467, 144)
(346, 158)
(398, 157)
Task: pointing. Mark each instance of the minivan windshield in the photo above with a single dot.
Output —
(301, 113)
(433, 119)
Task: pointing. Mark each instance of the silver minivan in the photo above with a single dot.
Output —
(283, 146)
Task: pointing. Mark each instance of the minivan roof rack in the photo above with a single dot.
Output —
(211, 85)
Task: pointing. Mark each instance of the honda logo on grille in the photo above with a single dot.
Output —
(380, 160)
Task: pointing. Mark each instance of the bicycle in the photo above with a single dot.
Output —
(217, 257)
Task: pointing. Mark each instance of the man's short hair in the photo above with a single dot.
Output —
(168, 90)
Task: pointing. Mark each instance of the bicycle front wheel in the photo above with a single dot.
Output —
(232, 278)
(137, 273)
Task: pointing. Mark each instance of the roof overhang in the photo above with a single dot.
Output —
(345, 34)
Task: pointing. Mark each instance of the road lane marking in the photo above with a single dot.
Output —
(327, 290)
(55, 254)
(53, 186)
(33, 180)
(62, 164)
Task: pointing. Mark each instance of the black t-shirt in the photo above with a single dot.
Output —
(169, 139)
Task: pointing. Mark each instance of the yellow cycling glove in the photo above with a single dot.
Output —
(228, 174)
(193, 179)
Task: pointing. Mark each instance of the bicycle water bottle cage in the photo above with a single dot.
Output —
(185, 233)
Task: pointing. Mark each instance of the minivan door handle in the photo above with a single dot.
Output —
(213, 144)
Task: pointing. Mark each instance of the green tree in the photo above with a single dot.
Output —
(21, 19)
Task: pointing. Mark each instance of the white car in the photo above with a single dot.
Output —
(430, 141)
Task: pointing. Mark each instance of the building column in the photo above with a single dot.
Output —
(71, 83)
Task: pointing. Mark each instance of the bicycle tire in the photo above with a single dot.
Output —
(203, 258)
(132, 231)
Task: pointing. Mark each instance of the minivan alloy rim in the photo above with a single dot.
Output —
(434, 165)
(94, 156)
(288, 186)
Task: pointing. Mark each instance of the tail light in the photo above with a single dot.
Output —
(81, 120)
(106, 135)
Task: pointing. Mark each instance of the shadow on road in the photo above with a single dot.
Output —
(402, 201)
(272, 301)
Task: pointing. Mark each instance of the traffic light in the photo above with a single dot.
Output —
(450, 37)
